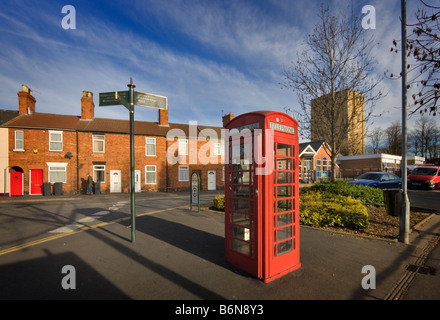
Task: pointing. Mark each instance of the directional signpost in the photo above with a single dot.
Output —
(128, 99)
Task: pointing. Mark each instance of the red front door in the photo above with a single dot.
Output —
(16, 183)
(36, 182)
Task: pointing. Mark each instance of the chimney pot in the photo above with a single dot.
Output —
(87, 106)
(163, 117)
(26, 102)
(227, 118)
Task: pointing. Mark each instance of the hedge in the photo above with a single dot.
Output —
(219, 203)
(320, 210)
(367, 195)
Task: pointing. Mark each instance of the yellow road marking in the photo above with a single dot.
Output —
(60, 235)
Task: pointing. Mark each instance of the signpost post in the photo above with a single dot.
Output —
(128, 99)
(195, 190)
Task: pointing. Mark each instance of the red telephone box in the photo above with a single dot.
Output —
(262, 194)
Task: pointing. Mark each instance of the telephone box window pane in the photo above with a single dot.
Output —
(241, 153)
(283, 191)
(284, 247)
(241, 247)
(284, 150)
(241, 219)
(282, 177)
(241, 233)
(284, 233)
(284, 219)
(241, 191)
(283, 164)
(240, 205)
(284, 205)
(241, 177)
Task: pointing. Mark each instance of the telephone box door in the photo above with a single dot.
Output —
(242, 210)
(282, 213)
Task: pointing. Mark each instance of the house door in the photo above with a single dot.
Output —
(16, 183)
(137, 180)
(36, 182)
(212, 180)
(115, 181)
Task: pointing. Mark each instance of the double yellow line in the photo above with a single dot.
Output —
(64, 234)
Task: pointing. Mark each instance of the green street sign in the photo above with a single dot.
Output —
(114, 98)
(150, 100)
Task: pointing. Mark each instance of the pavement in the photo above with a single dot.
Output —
(179, 255)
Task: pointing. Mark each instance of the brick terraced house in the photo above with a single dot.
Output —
(50, 148)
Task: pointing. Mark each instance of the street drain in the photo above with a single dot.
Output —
(421, 269)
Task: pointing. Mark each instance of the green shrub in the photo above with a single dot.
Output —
(219, 202)
(367, 195)
(321, 210)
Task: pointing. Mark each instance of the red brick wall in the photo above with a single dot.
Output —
(36, 154)
(116, 157)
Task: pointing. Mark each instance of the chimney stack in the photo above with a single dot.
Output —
(87, 106)
(163, 117)
(26, 102)
(227, 118)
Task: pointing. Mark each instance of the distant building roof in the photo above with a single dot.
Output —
(104, 125)
(315, 145)
(6, 115)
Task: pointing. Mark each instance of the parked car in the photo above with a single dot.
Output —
(383, 180)
(425, 177)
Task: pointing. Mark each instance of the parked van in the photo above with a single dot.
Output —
(425, 176)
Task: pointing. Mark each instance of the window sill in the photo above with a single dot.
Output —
(18, 150)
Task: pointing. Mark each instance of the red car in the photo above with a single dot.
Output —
(425, 177)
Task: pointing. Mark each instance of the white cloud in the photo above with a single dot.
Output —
(204, 56)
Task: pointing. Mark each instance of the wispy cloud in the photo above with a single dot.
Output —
(207, 57)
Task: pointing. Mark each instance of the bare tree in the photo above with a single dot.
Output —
(376, 137)
(334, 71)
(425, 137)
(423, 46)
(393, 136)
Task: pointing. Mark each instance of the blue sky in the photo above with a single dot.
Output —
(208, 57)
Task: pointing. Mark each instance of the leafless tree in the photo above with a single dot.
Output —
(376, 138)
(423, 47)
(425, 137)
(337, 59)
(393, 138)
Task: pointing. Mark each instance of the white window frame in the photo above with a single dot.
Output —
(17, 139)
(183, 147)
(50, 140)
(51, 165)
(147, 143)
(98, 167)
(95, 137)
(181, 168)
(318, 165)
(150, 171)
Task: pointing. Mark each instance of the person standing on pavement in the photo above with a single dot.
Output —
(89, 185)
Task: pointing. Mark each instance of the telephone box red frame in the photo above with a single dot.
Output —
(262, 207)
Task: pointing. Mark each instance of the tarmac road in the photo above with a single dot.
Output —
(179, 255)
